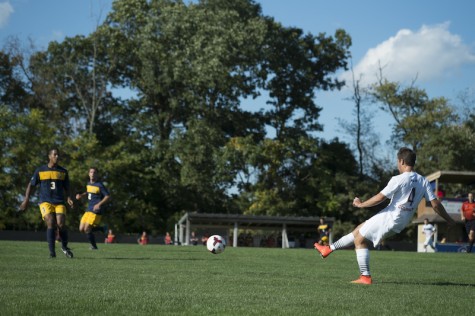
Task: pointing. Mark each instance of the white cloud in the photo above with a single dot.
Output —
(430, 53)
(6, 10)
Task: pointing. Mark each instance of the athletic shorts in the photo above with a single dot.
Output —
(470, 225)
(378, 227)
(47, 208)
(91, 218)
(429, 240)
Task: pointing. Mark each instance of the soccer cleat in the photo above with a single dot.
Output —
(52, 255)
(93, 248)
(67, 252)
(323, 250)
(363, 279)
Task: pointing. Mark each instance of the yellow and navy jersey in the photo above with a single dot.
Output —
(324, 229)
(95, 193)
(53, 182)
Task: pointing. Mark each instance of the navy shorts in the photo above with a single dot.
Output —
(470, 225)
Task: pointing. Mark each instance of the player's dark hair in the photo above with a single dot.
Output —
(407, 155)
(95, 168)
(51, 150)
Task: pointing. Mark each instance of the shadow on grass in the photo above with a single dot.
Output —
(430, 283)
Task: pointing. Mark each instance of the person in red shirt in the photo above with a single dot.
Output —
(143, 240)
(467, 212)
(168, 239)
(440, 193)
(110, 237)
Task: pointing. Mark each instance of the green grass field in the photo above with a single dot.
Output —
(122, 279)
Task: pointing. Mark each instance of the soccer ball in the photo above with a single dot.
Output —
(216, 244)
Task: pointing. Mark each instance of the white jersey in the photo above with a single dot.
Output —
(428, 230)
(406, 191)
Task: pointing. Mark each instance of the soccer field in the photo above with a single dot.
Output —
(126, 279)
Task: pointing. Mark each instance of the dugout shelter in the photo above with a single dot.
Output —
(223, 224)
(449, 239)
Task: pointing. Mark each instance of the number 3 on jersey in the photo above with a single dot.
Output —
(53, 185)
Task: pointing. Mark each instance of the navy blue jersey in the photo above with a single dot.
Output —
(53, 182)
(324, 230)
(95, 193)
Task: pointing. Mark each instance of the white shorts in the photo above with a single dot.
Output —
(429, 240)
(378, 227)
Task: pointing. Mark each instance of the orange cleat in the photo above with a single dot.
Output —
(364, 279)
(323, 250)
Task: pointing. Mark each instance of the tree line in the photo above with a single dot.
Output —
(153, 98)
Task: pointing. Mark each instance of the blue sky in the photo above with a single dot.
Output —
(431, 40)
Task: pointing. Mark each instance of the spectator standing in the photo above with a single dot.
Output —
(468, 216)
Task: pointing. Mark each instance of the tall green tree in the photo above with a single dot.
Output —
(74, 76)
(23, 147)
(428, 125)
(12, 90)
(178, 140)
(190, 65)
(296, 65)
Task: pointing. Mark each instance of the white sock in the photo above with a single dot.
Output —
(362, 256)
(343, 242)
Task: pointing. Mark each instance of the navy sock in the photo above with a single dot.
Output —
(63, 232)
(51, 238)
(92, 239)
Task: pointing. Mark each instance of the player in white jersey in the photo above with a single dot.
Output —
(428, 230)
(405, 191)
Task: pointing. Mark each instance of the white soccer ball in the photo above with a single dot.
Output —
(216, 244)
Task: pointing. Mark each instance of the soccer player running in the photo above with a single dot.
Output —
(97, 195)
(405, 191)
(468, 216)
(324, 232)
(54, 190)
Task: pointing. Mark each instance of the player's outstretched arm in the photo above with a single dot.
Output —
(375, 200)
(69, 200)
(440, 209)
(80, 195)
(26, 200)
